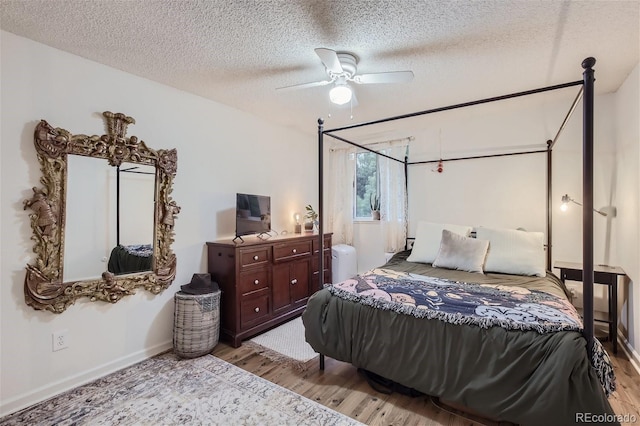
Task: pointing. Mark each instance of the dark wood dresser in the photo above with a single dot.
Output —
(265, 282)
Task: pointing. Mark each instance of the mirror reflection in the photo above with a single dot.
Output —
(109, 220)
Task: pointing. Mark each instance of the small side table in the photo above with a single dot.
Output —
(607, 275)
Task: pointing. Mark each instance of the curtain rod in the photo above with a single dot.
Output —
(462, 105)
(407, 138)
(374, 144)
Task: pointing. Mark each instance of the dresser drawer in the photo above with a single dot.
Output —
(254, 309)
(250, 258)
(315, 262)
(253, 281)
(316, 244)
(291, 250)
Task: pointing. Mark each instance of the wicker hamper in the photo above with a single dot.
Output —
(196, 326)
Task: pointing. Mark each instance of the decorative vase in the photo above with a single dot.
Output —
(375, 214)
(308, 226)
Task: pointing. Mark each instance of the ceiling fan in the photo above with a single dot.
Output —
(341, 68)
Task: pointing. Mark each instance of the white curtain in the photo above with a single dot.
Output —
(393, 194)
(339, 195)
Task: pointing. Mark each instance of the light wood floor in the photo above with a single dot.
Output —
(341, 388)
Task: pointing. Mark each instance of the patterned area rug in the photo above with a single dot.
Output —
(166, 390)
(285, 343)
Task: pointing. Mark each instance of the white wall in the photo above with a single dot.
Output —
(627, 199)
(221, 151)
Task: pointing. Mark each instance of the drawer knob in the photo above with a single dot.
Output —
(256, 257)
(294, 250)
(294, 281)
(256, 282)
(257, 309)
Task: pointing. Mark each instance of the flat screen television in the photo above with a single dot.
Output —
(253, 214)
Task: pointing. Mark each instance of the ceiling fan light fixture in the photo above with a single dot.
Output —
(340, 94)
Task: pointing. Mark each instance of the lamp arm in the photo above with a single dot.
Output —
(600, 212)
(567, 198)
(574, 201)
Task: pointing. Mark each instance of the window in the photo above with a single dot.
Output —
(366, 184)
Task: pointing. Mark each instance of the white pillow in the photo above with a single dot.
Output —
(461, 253)
(427, 242)
(514, 252)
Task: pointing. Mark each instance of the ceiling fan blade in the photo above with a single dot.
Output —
(330, 59)
(305, 85)
(384, 77)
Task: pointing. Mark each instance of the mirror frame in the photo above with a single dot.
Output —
(44, 286)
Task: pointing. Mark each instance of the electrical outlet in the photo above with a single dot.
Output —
(60, 340)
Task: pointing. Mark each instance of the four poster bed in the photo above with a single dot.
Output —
(506, 343)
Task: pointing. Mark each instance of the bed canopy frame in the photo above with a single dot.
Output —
(586, 93)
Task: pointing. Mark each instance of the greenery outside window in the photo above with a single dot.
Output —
(366, 184)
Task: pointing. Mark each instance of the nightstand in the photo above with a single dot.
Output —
(606, 275)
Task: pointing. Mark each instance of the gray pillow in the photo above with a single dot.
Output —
(428, 237)
(461, 253)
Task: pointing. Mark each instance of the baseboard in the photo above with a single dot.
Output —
(48, 391)
(634, 356)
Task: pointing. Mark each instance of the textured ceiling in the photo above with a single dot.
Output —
(239, 52)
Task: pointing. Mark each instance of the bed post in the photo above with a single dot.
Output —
(321, 213)
(587, 197)
(118, 205)
(406, 200)
(320, 203)
(549, 204)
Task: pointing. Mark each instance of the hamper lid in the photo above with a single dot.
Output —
(200, 284)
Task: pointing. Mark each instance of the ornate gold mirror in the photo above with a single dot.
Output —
(72, 225)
